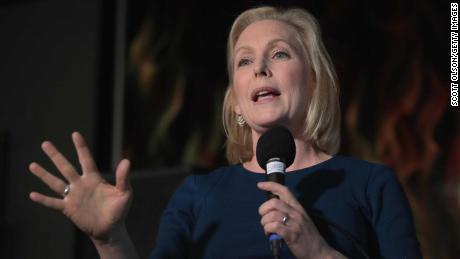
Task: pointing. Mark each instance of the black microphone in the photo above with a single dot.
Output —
(275, 152)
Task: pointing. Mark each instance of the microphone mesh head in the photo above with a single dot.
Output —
(276, 142)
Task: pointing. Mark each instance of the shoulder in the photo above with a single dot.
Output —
(359, 168)
(351, 162)
(203, 180)
(198, 184)
(363, 177)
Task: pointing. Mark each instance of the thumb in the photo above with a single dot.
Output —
(122, 175)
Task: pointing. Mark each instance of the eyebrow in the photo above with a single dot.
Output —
(269, 44)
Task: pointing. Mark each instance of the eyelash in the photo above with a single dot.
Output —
(244, 61)
(285, 54)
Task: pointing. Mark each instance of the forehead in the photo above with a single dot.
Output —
(261, 32)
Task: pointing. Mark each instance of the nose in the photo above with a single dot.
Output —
(261, 69)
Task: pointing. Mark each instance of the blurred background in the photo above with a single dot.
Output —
(145, 80)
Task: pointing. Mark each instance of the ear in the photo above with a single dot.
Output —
(311, 81)
(236, 109)
(313, 76)
(236, 106)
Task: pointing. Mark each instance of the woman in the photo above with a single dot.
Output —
(331, 206)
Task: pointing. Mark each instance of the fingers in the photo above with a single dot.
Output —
(274, 210)
(282, 191)
(122, 175)
(84, 155)
(52, 181)
(290, 232)
(276, 227)
(61, 163)
(276, 216)
(272, 216)
(274, 204)
(46, 201)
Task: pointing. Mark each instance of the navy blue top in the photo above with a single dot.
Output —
(354, 204)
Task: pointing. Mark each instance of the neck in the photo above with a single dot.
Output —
(306, 155)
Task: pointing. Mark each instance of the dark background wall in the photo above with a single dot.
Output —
(57, 75)
(49, 72)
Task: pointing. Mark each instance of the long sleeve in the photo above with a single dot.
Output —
(176, 223)
(391, 216)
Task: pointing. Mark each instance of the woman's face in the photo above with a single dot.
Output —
(271, 78)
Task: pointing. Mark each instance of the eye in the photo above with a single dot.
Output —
(244, 62)
(281, 55)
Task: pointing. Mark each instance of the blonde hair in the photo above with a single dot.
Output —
(322, 123)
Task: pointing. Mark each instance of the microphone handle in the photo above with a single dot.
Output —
(277, 178)
(275, 240)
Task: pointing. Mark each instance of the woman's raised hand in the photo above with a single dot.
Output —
(92, 204)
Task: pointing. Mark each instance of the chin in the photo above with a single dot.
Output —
(264, 123)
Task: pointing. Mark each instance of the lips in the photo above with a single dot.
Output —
(263, 93)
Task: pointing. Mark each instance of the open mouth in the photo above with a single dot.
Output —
(264, 93)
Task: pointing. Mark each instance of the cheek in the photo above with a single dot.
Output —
(298, 80)
(298, 83)
(239, 86)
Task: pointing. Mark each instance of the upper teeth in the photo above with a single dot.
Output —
(262, 92)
